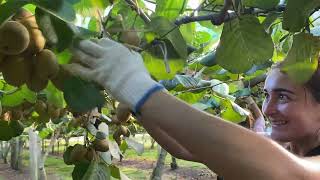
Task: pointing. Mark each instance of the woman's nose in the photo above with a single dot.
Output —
(269, 107)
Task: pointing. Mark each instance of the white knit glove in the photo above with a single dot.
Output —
(119, 70)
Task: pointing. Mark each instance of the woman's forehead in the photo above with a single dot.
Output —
(278, 80)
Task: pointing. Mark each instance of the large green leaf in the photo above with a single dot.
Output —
(17, 97)
(79, 169)
(170, 9)
(90, 7)
(243, 43)
(54, 96)
(82, 96)
(9, 8)
(232, 112)
(302, 59)
(59, 8)
(263, 4)
(97, 171)
(6, 133)
(56, 31)
(296, 15)
(162, 26)
(157, 69)
(190, 97)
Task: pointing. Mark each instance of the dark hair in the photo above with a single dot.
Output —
(313, 84)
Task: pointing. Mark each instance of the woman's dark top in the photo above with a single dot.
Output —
(313, 152)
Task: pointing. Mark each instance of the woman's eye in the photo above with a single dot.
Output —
(283, 97)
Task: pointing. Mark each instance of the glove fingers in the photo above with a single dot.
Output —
(84, 58)
(91, 48)
(78, 70)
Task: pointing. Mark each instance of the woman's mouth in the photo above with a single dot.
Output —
(279, 123)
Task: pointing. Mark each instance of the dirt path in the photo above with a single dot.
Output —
(182, 173)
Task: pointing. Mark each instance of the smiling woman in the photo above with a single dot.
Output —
(293, 110)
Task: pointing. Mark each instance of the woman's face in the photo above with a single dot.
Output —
(292, 110)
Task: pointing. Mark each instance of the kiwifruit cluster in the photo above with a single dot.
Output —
(49, 111)
(77, 154)
(22, 55)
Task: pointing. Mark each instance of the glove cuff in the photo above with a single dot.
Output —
(136, 90)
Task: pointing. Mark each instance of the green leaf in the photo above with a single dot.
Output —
(58, 32)
(302, 59)
(97, 171)
(80, 170)
(170, 9)
(263, 4)
(156, 66)
(188, 81)
(45, 132)
(59, 8)
(6, 133)
(191, 98)
(90, 7)
(115, 172)
(66, 155)
(82, 96)
(162, 26)
(243, 43)
(232, 112)
(17, 127)
(54, 96)
(295, 17)
(9, 8)
(17, 97)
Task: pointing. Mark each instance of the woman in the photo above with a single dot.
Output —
(228, 149)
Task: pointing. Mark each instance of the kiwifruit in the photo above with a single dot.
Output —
(116, 136)
(16, 70)
(37, 41)
(36, 84)
(123, 113)
(124, 131)
(46, 65)
(53, 111)
(40, 107)
(14, 38)
(90, 154)
(130, 37)
(78, 153)
(16, 114)
(60, 78)
(101, 145)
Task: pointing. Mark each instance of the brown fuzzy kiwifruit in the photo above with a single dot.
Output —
(16, 70)
(123, 113)
(37, 40)
(14, 38)
(116, 136)
(40, 107)
(36, 84)
(124, 131)
(90, 154)
(130, 37)
(53, 111)
(46, 64)
(78, 153)
(101, 145)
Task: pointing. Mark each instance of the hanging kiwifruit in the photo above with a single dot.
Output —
(14, 38)
(116, 136)
(130, 37)
(101, 145)
(78, 153)
(125, 131)
(37, 41)
(36, 84)
(16, 70)
(53, 111)
(123, 113)
(46, 64)
(40, 107)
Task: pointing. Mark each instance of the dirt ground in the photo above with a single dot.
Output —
(182, 173)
